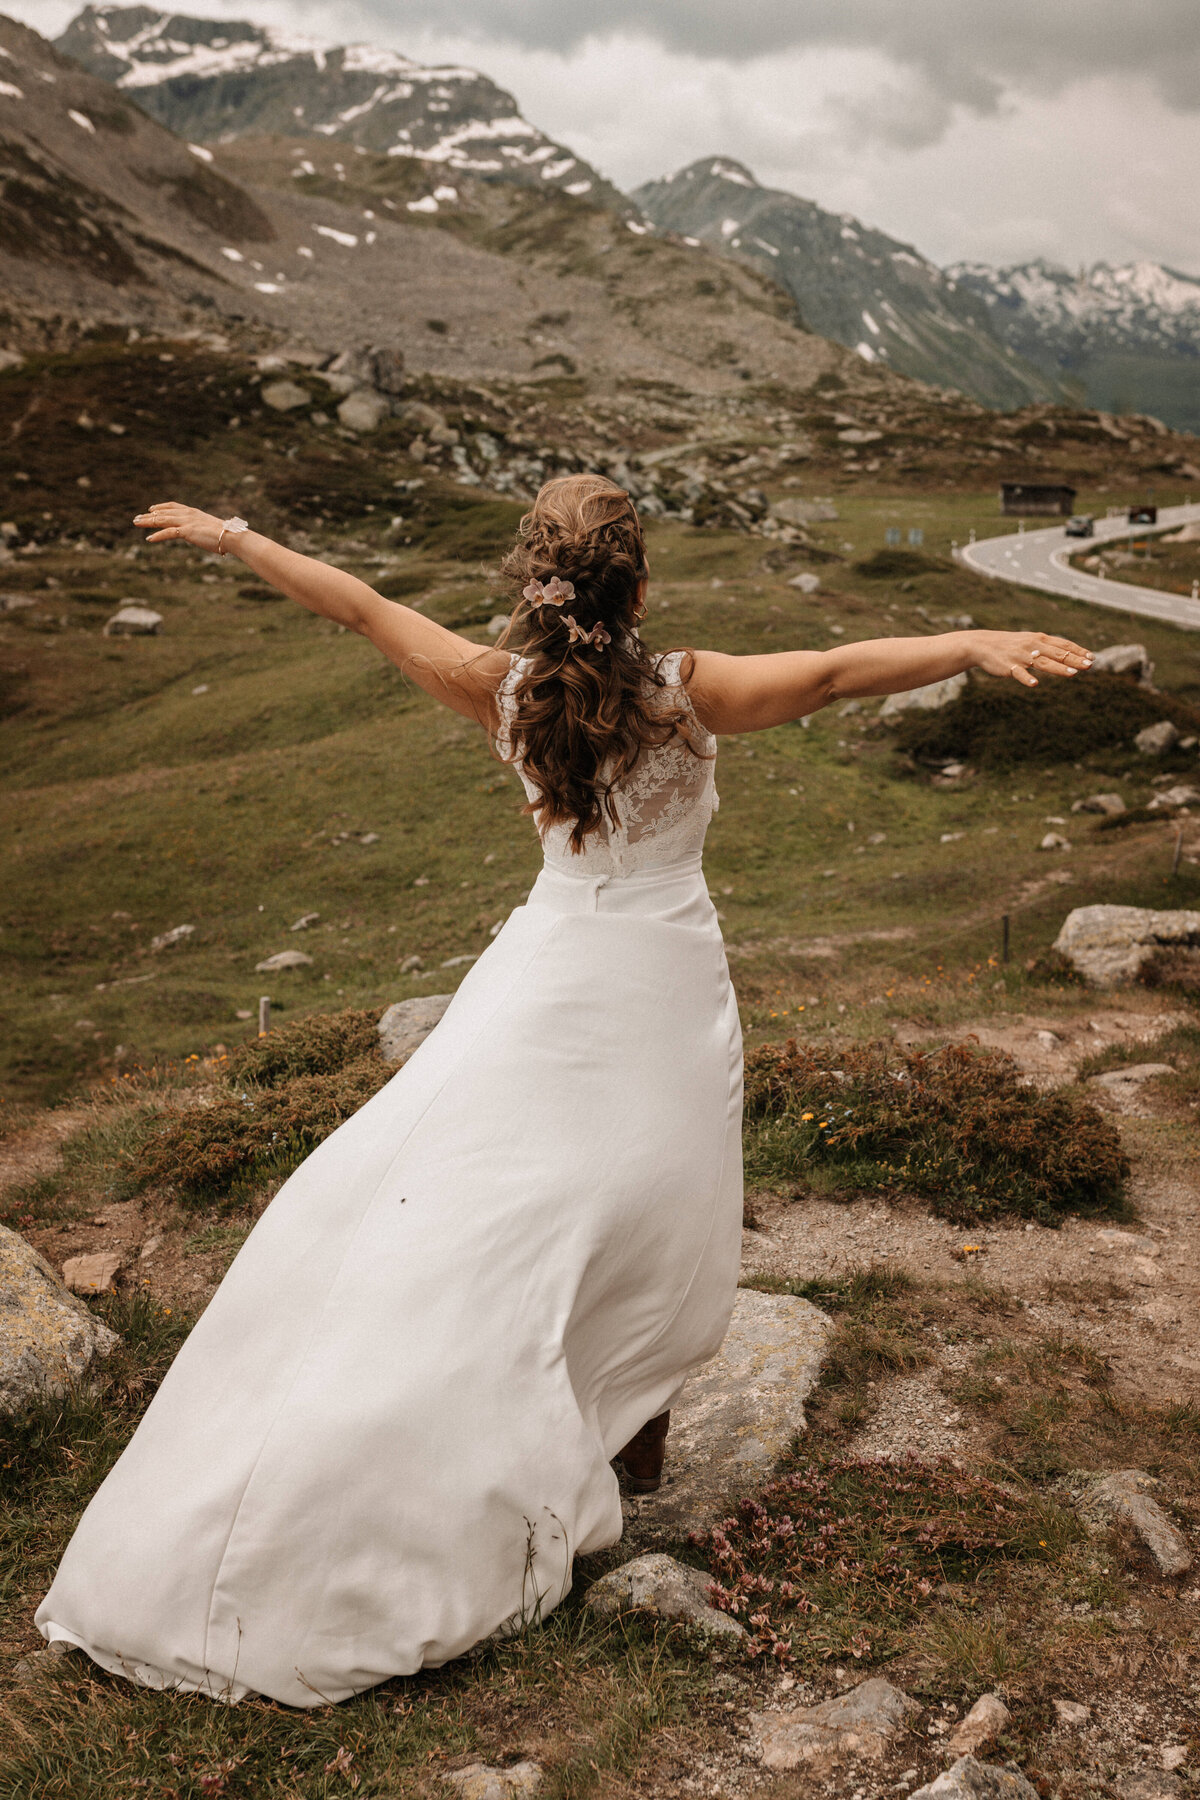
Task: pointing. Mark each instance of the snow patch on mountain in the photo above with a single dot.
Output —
(223, 79)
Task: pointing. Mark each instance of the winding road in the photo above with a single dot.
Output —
(1039, 559)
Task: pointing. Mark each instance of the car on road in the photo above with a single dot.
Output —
(1143, 515)
(1080, 525)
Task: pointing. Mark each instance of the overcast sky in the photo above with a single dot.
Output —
(1068, 129)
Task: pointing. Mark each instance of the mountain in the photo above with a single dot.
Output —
(1127, 338)
(851, 283)
(107, 219)
(215, 80)
(99, 206)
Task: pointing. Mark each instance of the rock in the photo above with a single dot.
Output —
(47, 1338)
(971, 1780)
(1123, 1088)
(1072, 1713)
(304, 921)
(857, 434)
(1123, 1496)
(859, 1723)
(1173, 1756)
(283, 959)
(373, 366)
(1054, 840)
(1125, 659)
(408, 1023)
(1128, 1240)
(363, 410)
(410, 964)
(91, 1274)
(794, 511)
(132, 620)
(985, 1721)
(176, 935)
(741, 1410)
(1109, 944)
(479, 1782)
(1149, 1785)
(31, 1668)
(497, 624)
(1183, 795)
(807, 582)
(923, 699)
(1108, 804)
(1153, 740)
(284, 396)
(670, 1590)
(422, 417)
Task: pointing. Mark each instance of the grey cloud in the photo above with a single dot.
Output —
(963, 51)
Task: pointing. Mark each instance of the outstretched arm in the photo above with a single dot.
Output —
(750, 693)
(451, 668)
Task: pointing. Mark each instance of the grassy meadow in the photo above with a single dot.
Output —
(224, 774)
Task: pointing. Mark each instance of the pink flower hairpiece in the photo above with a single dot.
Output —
(552, 594)
(597, 635)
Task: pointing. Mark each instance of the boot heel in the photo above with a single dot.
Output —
(642, 1457)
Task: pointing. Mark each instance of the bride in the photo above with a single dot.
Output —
(394, 1426)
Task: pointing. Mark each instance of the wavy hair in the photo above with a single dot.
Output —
(582, 712)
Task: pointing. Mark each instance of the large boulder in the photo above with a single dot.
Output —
(740, 1411)
(284, 396)
(794, 511)
(47, 1338)
(862, 1722)
(931, 698)
(1109, 944)
(1125, 1495)
(971, 1780)
(1156, 740)
(1125, 659)
(659, 1585)
(364, 410)
(132, 620)
(408, 1023)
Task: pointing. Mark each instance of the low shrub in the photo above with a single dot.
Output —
(278, 1098)
(238, 1137)
(956, 1126)
(830, 1560)
(996, 724)
(319, 1044)
(894, 564)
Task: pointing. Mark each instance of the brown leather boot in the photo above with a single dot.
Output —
(642, 1457)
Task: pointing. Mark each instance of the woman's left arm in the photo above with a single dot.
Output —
(751, 693)
(461, 674)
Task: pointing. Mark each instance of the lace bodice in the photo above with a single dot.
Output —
(665, 803)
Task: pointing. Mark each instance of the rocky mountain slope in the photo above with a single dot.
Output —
(106, 216)
(213, 80)
(1128, 337)
(851, 283)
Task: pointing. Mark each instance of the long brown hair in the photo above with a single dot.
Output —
(582, 712)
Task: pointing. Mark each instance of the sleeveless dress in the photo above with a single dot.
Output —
(389, 1433)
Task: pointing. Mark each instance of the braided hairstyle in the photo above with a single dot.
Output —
(584, 706)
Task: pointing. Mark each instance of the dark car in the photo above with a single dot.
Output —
(1081, 525)
(1143, 515)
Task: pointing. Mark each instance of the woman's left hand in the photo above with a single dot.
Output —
(169, 521)
(1020, 653)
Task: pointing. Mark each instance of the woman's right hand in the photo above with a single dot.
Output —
(168, 522)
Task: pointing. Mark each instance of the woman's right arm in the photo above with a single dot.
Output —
(461, 674)
(751, 693)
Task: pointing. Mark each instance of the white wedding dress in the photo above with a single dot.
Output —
(390, 1432)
